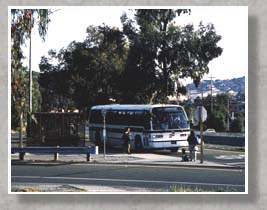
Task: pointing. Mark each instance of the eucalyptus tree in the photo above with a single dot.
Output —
(166, 52)
(22, 22)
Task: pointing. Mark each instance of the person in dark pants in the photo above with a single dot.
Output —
(127, 139)
(192, 142)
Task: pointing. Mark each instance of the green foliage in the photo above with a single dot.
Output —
(20, 96)
(165, 52)
(216, 120)
(237, 124)
(88, 72)
(140, 64)
(189, 109)
(36, 94)
(22, 22)
(182, 90)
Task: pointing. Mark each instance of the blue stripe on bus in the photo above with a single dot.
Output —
(133, 129)
(118, 130)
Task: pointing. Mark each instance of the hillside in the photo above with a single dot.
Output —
(235, 85)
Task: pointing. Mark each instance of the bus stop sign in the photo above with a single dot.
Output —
(203, 111)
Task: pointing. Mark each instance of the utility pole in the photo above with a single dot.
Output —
(200, 115)
(30, 80)
(201, 133)
(211, 100)
(228, 114)
(30, 73)
(104, 113)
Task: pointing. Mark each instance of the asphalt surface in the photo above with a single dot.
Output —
(118, 177)
(153, 171)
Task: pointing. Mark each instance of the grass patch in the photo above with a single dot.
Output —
(69, 188)
(196, 189)
(27, 189)
(61, 188)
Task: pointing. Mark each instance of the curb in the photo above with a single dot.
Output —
(52, 162)
(170, 164)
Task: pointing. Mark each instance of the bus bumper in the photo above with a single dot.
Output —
(168, 144)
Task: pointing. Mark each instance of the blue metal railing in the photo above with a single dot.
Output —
(55, 150)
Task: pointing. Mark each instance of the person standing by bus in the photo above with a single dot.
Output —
(127, 139)
(192, 142)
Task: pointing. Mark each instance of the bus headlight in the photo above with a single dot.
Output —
(157, 136)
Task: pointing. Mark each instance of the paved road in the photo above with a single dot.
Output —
(230, 158)
(225, 157)
(147, 178)
(143, 178)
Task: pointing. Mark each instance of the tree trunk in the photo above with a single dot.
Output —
(165, 88)
(21, 129)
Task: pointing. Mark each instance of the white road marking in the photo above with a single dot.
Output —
(230, 157)
(236, 163)
(129, 180)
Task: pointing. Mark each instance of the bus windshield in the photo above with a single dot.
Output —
(169, 118)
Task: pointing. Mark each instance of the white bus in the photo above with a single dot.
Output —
(152, 126)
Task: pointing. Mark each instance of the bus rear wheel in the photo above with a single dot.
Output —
(175, 149)
(138, 144)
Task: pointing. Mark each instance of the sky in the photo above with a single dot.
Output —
(69, 24)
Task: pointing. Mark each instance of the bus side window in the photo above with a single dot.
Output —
(146, 120)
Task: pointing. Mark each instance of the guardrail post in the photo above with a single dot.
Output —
(96, 150)
(56, 155)
(21, 155)
(195, 155)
